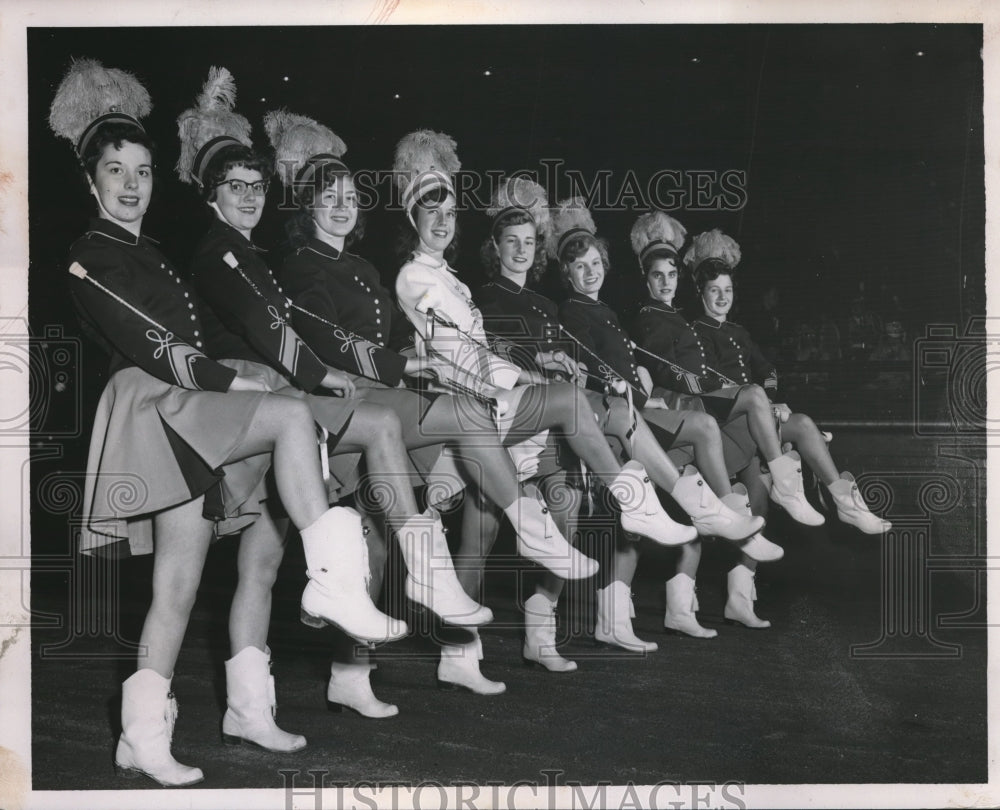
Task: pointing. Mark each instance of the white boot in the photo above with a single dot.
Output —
(642, 512)
(337, 566)
(459, 666)
(787, 490)
(252, 706)
(350, 686)
(432, 581)
(614, 619)
(539, 540)
(851, 507)
(710, 515)
(540, 635)
(742, 595)
(149, 712)
(681, 606)
(758, 547)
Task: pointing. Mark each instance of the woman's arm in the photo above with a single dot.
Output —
(123, 311)
(659, 336)
(316, 318)
(455, 333)
(248, 304)
(761, 369)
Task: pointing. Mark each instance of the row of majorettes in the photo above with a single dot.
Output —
(215, 381)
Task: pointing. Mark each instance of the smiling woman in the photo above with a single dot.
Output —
(239, 198)
(123, 182)
(194, 434)
(817, 134)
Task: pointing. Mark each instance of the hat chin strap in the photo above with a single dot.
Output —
(218, 212)
(222, 217)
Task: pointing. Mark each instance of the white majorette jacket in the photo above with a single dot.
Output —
(426, 283)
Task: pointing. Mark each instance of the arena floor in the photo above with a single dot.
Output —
(874, 670)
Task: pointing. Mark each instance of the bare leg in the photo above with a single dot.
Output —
(702, 432)
(480, 526)
(642, 446)
(471, 431)
(626, 561)
(753, 402)
(262, 547)
(284, 427)
(689, 559)
(749, 476)
(565, 410)
(378, 552)
(375, 430)
(801, 431)
(182, 540)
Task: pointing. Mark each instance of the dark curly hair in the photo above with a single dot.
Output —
(116, 133)
(407, 240)
(655, 255)
(575, 248)
(301, 226)
(231, 157)
(710, 270)
(490, 256)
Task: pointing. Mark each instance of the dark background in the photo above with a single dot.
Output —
(864, 162)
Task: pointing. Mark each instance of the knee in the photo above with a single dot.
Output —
(262, 573)
(293, 411)
(755, 397)
(801, 423)
(382, 422)
(177, 599)
(703, 425)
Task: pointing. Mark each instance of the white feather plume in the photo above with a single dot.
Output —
(523, 192)
(90, 90)
(296, 138)
(568, 214)
(713, 244)
(211, 117)
(656, 226)
(423, 151)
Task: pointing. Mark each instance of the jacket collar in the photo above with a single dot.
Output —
(227, 231)
(652, 303)
(509, 286)
(111, 230)
(429, 261)
(323, 249)
(708, 320)
(580, 298)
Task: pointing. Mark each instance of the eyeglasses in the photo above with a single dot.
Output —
(239, 187)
